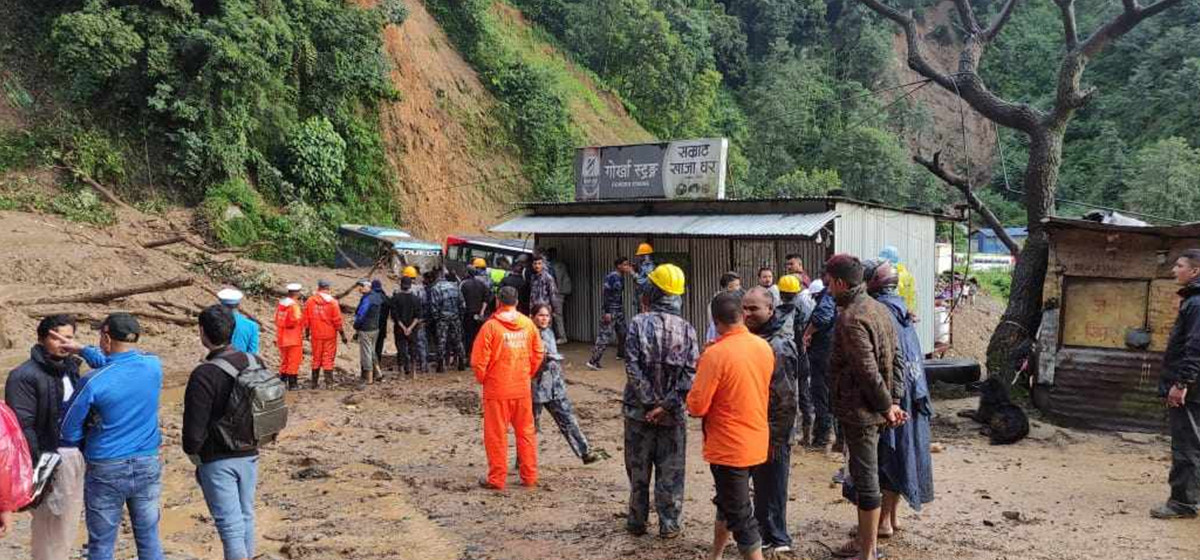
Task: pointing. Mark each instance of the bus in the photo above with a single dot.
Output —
(361, 246)
(461, 250)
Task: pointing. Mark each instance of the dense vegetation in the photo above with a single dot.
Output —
(264, 112)
(269, 105)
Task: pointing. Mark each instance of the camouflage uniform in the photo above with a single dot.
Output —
(421, 357)
(543, 289)
(550, 392)
(446, 307)
(645, 266)
(614, 306)
(660, 366)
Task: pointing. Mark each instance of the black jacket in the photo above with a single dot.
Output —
(476, 292)
(782, 403)
(204, 403)
(1181, 361)
(518, 282)
(34, 391)
(406, 306)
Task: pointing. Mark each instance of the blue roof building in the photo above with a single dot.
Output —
(986, 242)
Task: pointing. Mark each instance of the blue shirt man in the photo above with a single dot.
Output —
(113, 416)
(245, 331)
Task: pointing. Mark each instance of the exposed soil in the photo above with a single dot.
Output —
(972, 325)
(389, 471)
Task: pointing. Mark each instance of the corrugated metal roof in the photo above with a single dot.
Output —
(1183, 230)
(746, 225)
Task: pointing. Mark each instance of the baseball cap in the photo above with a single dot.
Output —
(323, 283)
(122, 327)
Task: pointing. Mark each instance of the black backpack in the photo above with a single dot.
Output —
(256, 411)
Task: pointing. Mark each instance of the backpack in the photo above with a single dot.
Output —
(256, 411)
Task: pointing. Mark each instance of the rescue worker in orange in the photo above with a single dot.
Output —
(323, 320)
(289, 336)
(505, 357)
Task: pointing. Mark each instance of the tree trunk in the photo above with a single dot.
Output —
(1012, 341)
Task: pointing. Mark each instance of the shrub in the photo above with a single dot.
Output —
(395, 11)
(93, 46)
(82, 206)
(318, 158)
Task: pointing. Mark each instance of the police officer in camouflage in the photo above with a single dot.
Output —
(446, 308)
(645, 265)
(612, 313)
(660, 366)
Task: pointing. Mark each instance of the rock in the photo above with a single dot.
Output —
(381, 475)
(1135, 437)
(1012, 515)
(936, 448)
(987, 523)
(352, 399)
(310, 473)
(232, 212)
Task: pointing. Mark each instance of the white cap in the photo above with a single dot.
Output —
(294, 287)
(230, 296)
(816, 286)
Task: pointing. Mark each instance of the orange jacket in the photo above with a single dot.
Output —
(322, 316)
(732, 386)
(507, 352)
(289, 323)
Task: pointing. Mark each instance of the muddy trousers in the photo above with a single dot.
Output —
(611, 331)
(449, 341)
(56, 520)
(366, 351)
(498, 416)
(660, 451)
(564, 415)
(407, 352)
(1185, 457)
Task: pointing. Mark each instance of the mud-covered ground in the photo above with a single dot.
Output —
(390, 471)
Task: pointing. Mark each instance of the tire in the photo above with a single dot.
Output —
(960, 371)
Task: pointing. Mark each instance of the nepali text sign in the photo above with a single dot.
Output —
(680, 169)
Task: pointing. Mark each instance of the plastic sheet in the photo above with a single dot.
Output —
(16, 467)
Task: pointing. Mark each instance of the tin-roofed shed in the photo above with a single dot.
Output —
(1109, 302)
(709, 237)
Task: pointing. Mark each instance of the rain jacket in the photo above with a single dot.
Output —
(660, 366)
(507, 352)
(866, 369)
(322, 316)
(370, 308)
(289, 323)
(245, 334)
(1181, 361)
(781, 407)
(907, 288)
(906, 458)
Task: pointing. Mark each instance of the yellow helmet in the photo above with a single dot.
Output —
(669, 278)
(409, 272)
(789, 284)
(644, 249)
(478, 262)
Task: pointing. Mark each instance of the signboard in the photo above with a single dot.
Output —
(680, 169)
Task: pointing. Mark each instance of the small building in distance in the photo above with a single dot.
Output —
(1109, 302)
(985, 241)
(707, 238)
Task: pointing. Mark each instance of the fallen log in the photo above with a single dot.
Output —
(97, 316)
(109, 295)
(164, 242)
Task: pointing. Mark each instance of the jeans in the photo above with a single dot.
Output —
(1185, 457)
(228, 486)
(771, 497)
(111, 486)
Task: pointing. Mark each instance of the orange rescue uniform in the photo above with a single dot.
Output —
(289, 329)
(732, 386)
(323, 319)
(507, 352)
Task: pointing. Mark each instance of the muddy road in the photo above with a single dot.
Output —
(389, 472)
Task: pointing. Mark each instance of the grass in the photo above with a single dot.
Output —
(579, 86)
(996, 283)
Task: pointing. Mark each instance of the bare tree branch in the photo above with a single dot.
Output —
(1131, 5)
(967, 14)
(1070, 30)
(1121, 25)
(1002, 18)
(950, 178)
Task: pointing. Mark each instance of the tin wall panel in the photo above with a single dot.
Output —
(864, 230)
(751, 254)
(578, 314)
(1107, 389)
(710, 259)
(813, 253)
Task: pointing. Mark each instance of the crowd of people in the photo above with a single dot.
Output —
(798, 360)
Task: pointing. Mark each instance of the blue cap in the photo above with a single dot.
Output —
(890, 254)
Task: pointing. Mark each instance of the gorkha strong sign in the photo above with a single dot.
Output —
(680, 169)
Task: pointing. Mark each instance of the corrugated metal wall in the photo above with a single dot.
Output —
(589, 259)
(863, 231)
(1107, 389)
(812, 254)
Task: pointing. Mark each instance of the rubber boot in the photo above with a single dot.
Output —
(806, 434)
(328, 379)
(441, 366)
(316, 379)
